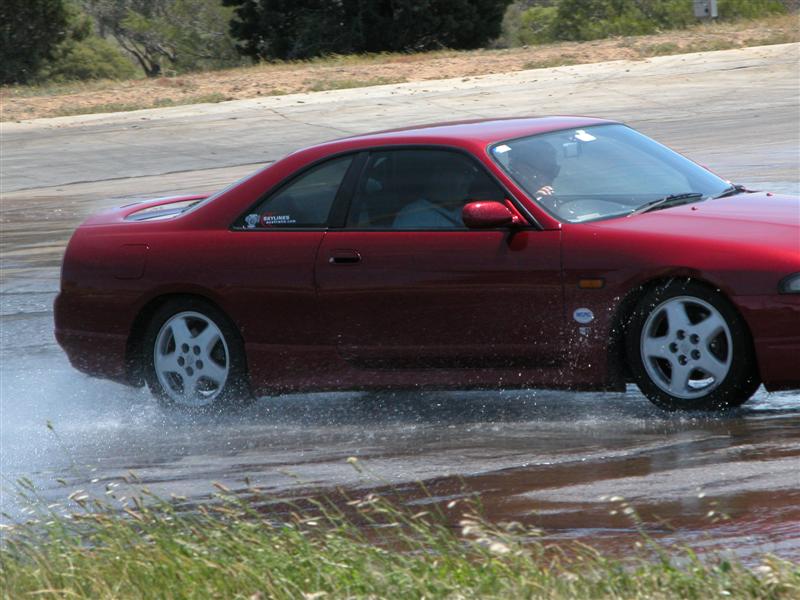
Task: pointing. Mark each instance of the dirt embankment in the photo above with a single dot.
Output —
(20, 103)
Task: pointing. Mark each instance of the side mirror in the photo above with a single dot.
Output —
(486, 215)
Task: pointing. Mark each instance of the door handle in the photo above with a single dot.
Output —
(344, 257)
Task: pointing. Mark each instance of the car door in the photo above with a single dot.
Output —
(268, 263)
(406, 284)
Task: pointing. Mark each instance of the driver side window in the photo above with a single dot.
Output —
(418, 189)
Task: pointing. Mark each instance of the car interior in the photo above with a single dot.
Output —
(405, 186)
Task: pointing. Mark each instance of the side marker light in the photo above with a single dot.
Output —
(591, 284)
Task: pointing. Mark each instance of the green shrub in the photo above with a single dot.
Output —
(749, 9)
(90, 58)
(536, 25)
(595, 19)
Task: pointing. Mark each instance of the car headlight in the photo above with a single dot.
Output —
(790, 284)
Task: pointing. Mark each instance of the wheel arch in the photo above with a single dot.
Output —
(618, 371)
(136, 334)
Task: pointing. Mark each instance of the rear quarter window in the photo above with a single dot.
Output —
(306, 201)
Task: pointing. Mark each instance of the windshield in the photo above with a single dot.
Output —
(602, 171)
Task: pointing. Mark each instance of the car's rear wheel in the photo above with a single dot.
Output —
(194, 358)
(688, 349)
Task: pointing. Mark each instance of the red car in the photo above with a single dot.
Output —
(549, 252)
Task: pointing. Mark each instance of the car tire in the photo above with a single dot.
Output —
(194, 358)
(688, 349)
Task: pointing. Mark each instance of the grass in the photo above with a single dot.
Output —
(343, 84)
(662, 49)
(111, 107)
(669, 48)
(775, 37)
(185, 80)
(58, 89)
(556, 61)
(346, 60)
(364, 548)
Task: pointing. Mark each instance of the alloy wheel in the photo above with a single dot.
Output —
(191, 359)
(686, 347)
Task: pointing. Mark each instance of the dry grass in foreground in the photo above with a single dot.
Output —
(233, 548)
(339, 72)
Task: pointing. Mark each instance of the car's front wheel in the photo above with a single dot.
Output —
(688, 349)
(193, 357)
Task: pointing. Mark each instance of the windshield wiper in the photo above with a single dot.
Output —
(667, 201)
(736, 188)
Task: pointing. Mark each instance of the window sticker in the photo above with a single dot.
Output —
(251, 221)
(502, 149)
(583, 136)
(270, 220)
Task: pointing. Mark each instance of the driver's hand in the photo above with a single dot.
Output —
(545, 191)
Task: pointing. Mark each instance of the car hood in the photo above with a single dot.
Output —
(721, 240)
(763, 218)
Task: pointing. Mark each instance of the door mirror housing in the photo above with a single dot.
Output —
(487, 215)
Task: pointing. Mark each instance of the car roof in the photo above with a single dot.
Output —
(464, 133)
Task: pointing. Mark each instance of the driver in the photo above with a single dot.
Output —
(443, 192)
(535, 166)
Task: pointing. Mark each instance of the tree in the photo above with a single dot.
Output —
(185, 34)
(126, 21)
(286, 29)
(30, 30)
(267, 29)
